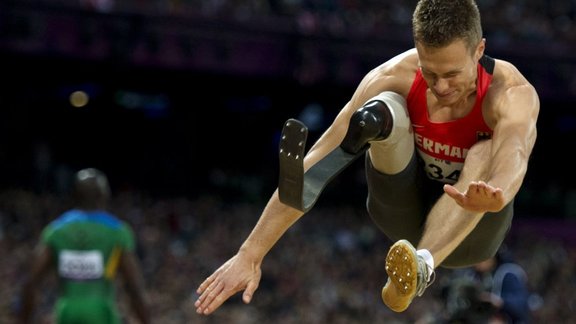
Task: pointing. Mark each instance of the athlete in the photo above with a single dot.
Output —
(449, 132)
(87, 246)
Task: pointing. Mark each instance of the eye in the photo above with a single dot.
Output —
(428, 74)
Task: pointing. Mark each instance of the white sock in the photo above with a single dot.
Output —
(429, 259)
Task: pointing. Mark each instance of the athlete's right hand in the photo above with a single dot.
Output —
(237, 274)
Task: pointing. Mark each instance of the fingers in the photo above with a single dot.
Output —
(484, 189)
(453, 193)
(212, 295)
(233, 276)
(208, 290)
(479, 196)
(478, 188)
(205, 284)
(249, 292)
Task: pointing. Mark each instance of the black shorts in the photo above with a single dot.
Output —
(399, 204)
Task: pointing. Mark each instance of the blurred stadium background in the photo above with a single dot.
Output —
(181, 103)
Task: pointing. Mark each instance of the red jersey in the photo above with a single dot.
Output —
(443, 146)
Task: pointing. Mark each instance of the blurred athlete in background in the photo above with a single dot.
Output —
(87, 247)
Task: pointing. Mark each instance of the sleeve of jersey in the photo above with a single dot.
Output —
(125, 243)
(47, 234)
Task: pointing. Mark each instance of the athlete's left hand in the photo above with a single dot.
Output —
(480, 197)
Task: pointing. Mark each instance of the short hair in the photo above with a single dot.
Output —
(438, 23)
(91, 188)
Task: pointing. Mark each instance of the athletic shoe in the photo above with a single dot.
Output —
(408, 276)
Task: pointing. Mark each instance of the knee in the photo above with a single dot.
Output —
(372, 122)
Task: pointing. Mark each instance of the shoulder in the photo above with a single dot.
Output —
(510, 89)
(57, 225)
(108, 219)
(507, 77)
(122, 230)
(396, 74)
(64, 219)
(508, 72)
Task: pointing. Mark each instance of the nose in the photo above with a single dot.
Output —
(441, 85)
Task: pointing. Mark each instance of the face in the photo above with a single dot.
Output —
(450, 71)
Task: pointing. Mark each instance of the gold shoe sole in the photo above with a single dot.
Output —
(402, 268)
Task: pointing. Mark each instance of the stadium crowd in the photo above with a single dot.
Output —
(328, 270)
(509, 20)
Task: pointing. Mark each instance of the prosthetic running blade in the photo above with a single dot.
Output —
(299, 189)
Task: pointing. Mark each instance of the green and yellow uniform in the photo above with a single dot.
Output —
(87, 247)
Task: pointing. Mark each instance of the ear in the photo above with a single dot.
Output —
(480, 49)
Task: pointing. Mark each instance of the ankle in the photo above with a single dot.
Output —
(429, 259)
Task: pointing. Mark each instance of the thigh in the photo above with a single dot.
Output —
(484, 241)
(398, 203)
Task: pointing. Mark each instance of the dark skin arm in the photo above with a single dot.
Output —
(134, 284)
(41, 265)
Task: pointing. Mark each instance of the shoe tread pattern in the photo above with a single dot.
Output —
(402, 267)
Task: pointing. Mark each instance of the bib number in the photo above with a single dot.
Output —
(442, 170)
(81, 265)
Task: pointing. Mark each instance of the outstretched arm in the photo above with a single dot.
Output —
(492, 175)
(133, 278)
(512, 143)
(243, 270)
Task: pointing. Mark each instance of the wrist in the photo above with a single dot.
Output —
(251, 253)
